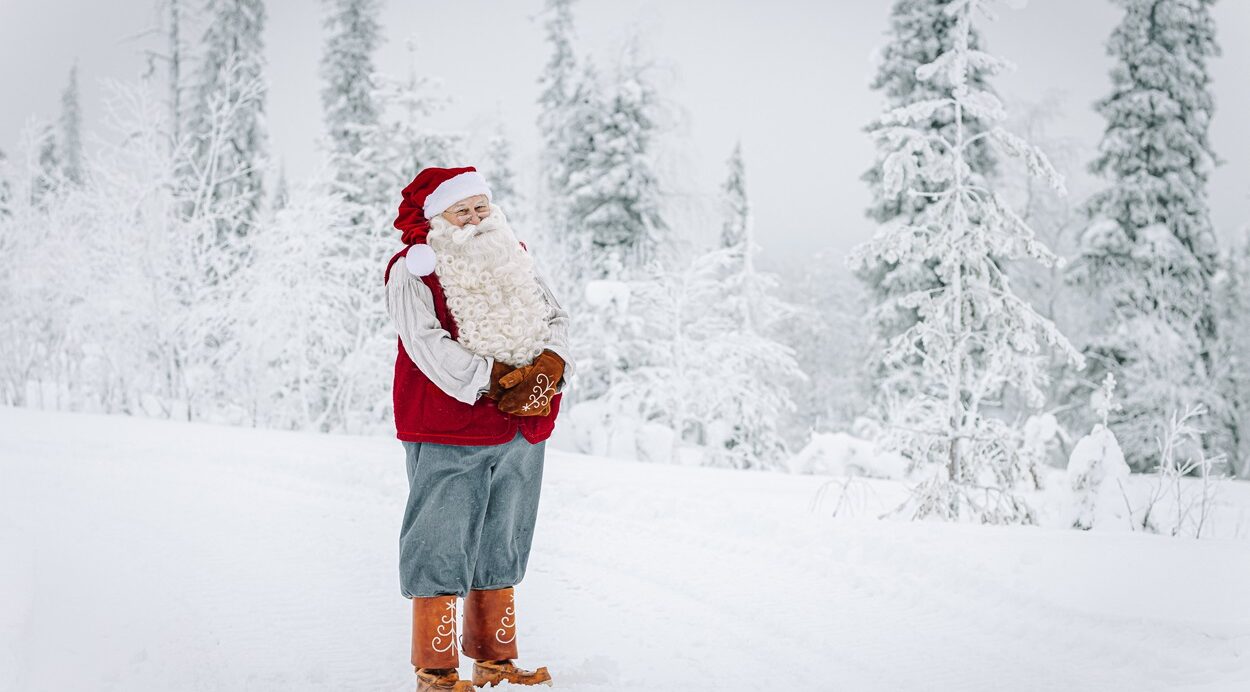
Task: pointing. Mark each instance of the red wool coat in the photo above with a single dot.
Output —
(425, 413)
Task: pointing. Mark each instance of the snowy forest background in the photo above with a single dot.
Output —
(157, 258)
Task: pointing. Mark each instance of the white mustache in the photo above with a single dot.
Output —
(462, 235)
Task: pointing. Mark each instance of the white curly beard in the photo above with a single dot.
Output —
(491, 290)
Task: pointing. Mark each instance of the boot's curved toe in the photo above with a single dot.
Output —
(494, 672)
(441, 680)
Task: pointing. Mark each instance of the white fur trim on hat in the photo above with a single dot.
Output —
(420, 260)
(453, 190)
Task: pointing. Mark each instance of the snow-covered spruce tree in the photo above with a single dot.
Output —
(699, 340)
(616, 196)
(1233, 301)
(351, 112)
(558, 82)
(920, 31)
(750, 297)
(695, 371)
(756, 372)
(174, 59)
(226, 128)
(347, 98)
(378, 138)
(71, 129)
(406, 143)
(61, 150)
(499, 169)
(658, 364)
(1150, 251)
(974, 337)
(582, 125)
(328, 382)
(281, 190)
(6, 186)
(597, 346)
(571, 106)
(684, 368)
(1097, 472)
(10, 237)
(50, 175)
(613, 207)
(325, 383)
(736, 205)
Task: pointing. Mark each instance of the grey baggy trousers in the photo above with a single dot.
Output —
(470, 516)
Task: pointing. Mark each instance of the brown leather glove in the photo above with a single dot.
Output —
(497, 372)
(530, 388)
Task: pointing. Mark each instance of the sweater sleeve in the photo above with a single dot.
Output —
(558, 318)
(460, 373)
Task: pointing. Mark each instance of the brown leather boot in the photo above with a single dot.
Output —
(434, 654)
(441, 680)
(494, 672)
(490, 638)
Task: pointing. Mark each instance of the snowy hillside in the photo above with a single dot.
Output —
(149, 555)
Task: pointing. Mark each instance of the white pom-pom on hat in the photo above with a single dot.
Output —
(420, 260)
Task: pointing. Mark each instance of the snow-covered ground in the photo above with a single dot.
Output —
(152, 555)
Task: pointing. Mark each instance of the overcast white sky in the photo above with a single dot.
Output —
(788, 77)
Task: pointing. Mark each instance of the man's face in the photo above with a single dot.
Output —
(470, 210)
(490, 242)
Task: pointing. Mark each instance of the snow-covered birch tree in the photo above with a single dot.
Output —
(973, 338)
(218, 179)
(171, 19)
(296, 317)
(227, 126)
(33, 247)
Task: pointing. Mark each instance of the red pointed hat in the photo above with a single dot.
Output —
(430, 193)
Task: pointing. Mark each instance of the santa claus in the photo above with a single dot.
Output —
(481, 362)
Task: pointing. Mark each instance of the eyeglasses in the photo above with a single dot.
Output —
(483, 211)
